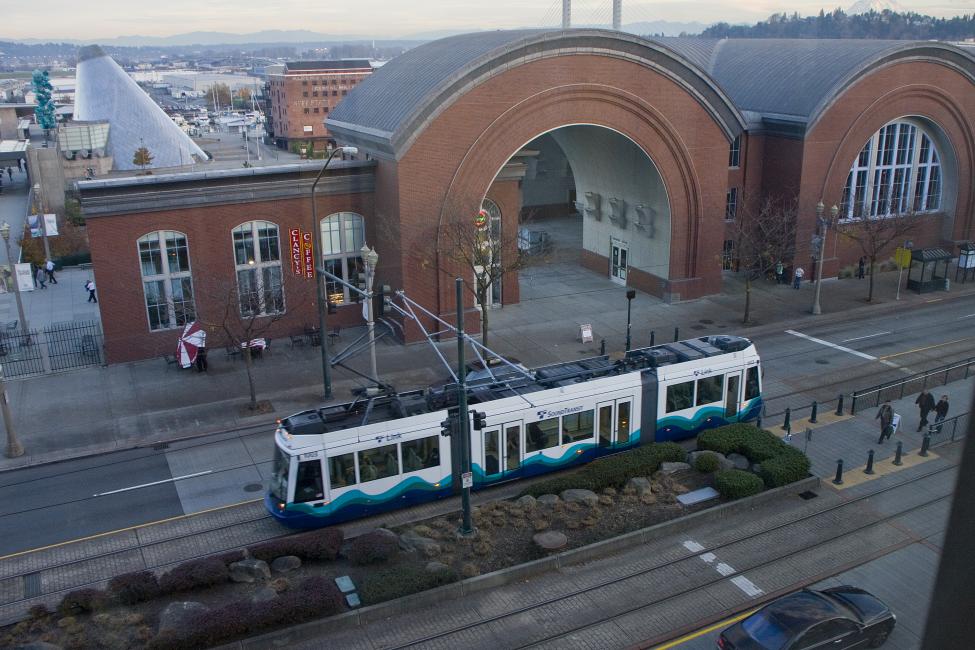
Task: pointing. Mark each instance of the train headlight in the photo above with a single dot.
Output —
(281, 506)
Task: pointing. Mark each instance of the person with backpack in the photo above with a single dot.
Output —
(90, 287)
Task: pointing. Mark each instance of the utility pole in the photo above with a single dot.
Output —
(14, 448)
(566, 14)
(463, 426)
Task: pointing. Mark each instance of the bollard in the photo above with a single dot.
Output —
(869, 468)
(899, 453)
(676, 334)
(759, 422)
(652, 337)
(787, 424)
(838, 479)
(853, 404)
(839, 405)
(925, 444)
(812, 416)
(602, 347)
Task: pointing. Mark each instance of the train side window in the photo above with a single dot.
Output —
(421, 454)
(377, 463)
(341, 470)
(710, 389)
(542, 435)
(577, 427)
(752, 388)
(680, 396)
(308, 485)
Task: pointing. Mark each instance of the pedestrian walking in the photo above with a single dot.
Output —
(797, 277)
(49, 269)
(90, 286)
(201, 359)
(861, 267)
(20, 164)
(41, 278)
(886, 417)
(925, 404)
(10, 174)
(779, 271)
(941, 411)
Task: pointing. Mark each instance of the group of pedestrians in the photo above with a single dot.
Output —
(10, 173)
(925, 404)
(798, 274)
(45, 274)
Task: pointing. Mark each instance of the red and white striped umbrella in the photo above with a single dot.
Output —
(191, 340)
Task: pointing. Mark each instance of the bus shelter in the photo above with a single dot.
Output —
(966, 261)
(929, 270)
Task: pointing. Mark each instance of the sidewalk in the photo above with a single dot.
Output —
(104, 408)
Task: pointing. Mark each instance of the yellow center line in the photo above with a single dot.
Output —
(125, 530)
(712, 628)
(929, 347)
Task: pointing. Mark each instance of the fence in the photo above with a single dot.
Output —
(913, 384)
(58, 347)
(949, 430)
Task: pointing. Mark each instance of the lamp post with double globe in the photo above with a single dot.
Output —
(819, 245)
(371, 258)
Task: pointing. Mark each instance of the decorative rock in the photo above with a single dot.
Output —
(436, 567)
(756, 469)
(410, 541)
(263, 595)
(738, 462)
(285, 563)
(279, 584)
(670, 468)
(548, 499)
(587, 497)
(551, 540)
(640, 485)
(527, 502)
(249, 570)
(177, 615)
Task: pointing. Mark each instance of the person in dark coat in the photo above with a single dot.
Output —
(886, 417)
(941, 411)
(861, 267)
(201, 359)
(925, 403)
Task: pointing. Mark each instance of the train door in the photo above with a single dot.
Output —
(615, 422)
(310, 479)
(732, 396)
(502, 449)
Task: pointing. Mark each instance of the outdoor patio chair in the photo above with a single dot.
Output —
(297, 340)
(334, 334)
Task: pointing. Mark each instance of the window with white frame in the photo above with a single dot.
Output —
(257, 259)
(731, 204)
(734, 155)
(343, 235)
(166, 280)
(897, 171)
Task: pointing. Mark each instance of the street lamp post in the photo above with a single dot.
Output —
(820, 246)
(38, 206)
(630, 295)
(371, 258)
(316, 246)
(5, 232)
(14, 448)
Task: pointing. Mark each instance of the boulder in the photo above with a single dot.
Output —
(410, 541)
(548, 499)
(178, 615)
(737, 462)
(249, 570)
(639, 485)
(285, 563)
(263, 595)
(723, 462)
(436, 567)
(279, 584)
(551, 540)
(670, 468)
(526, 502)
(586, 497)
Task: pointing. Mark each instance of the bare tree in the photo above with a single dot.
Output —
(762, 240)
(874, 235)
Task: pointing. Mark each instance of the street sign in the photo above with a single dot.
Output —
(467, 480)
(25, 279)
(585, 331)
(903, 257)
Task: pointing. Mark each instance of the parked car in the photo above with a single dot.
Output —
(839, 617)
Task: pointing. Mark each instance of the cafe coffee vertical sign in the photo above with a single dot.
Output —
(309, 258)
(297, 255)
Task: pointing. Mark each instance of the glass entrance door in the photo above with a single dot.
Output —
(614, 424)
(512, 446)
(502, 449)
(731, 396)
(617, 267)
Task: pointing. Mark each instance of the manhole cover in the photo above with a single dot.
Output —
(822, 362)
(807, 495)
(706, 321)
(253, 487)
(159, 446)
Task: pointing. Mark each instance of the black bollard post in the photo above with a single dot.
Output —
(787, 424)
(869, 469)
(676, 334)
(812, 416)
(839, 405)
(925, 444)
(652, 337)
(602, 347)
(759, 422)
(899, 453)
(838, 479)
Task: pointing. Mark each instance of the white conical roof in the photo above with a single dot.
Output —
(105, 92)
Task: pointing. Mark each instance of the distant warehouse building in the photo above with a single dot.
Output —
(302, 93)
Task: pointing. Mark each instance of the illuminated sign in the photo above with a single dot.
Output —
(297, 265)
(308, 258)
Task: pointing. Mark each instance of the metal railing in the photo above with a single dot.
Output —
(949, 429)
(58, 347)
(914, 384)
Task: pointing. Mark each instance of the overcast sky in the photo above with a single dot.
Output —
(74, 19)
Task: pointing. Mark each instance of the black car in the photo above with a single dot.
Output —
(840, 617)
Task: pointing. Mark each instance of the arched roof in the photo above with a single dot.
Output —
(387, 110)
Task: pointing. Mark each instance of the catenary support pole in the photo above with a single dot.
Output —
(466, 527)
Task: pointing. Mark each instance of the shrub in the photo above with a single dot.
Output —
(82, 601)
(707, 463)
(786, 468)
(395, 582)
(735, 483)
(135, 587)
(725, 440)
(321, 544)
(195, 574)
(760, 445)
(374, 546)
(39, 610)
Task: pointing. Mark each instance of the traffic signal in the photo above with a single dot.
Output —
(447, 426)
(480, 420)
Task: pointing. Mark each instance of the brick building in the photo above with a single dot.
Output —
(300, 95)
(648, 149)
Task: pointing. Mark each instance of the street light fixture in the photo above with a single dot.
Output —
(371, 258)
(14, 448)
(316, 246)
(819, 246)
(630, 295)
(5, 233)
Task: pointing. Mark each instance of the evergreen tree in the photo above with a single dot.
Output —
(837, 24)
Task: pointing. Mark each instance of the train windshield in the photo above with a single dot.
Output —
(279, 475)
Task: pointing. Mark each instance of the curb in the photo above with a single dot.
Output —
(518, 573)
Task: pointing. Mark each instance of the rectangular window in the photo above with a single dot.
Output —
(577, 427)
(308, 484)
(314, 93)
(542, 435)
(735, 154)
(304, 94)
(308, 110)
(622, 423)
(709, 390)
(934, 189)
(333, 290)
(421, 454)
(752, 386)
(335, 93)
(341, 471)
(381, 462)
(680, 396)
(316, 109)
(731, 204)
(247, 292)
(156, 305)
(183, 307)
(243, 246)
(268, 236)
(273, 291)
(150, 257)
(177, 254)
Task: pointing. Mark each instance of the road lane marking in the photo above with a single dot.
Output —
(929, 347)
(740, 581)
(831, 345)
(707, 630)
(860, 338)
(747, 586)
(145, 485)
(966, 316)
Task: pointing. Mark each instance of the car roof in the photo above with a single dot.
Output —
(800, 610)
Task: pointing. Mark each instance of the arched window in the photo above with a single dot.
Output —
(257, 258)
(343, 235)
(897, 171)
(166, 280)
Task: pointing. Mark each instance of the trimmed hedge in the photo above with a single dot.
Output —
(736, 483)
(82, 601)
(613, 471)
(195, 574)
(707, 463)
(788, 467)
(781, 463)
(374, 546)
(323, 544)
(135, 587)
(394, 582)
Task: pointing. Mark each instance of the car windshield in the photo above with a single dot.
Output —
(279, 475)
(766, 630)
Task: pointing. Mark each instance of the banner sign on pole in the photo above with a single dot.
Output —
(297, 263)
(51, 224)
(34, 221)
(309, 258)
(25, 279)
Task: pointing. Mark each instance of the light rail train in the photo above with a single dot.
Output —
(385, 451)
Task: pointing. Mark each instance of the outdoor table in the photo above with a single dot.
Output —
(254, 346)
